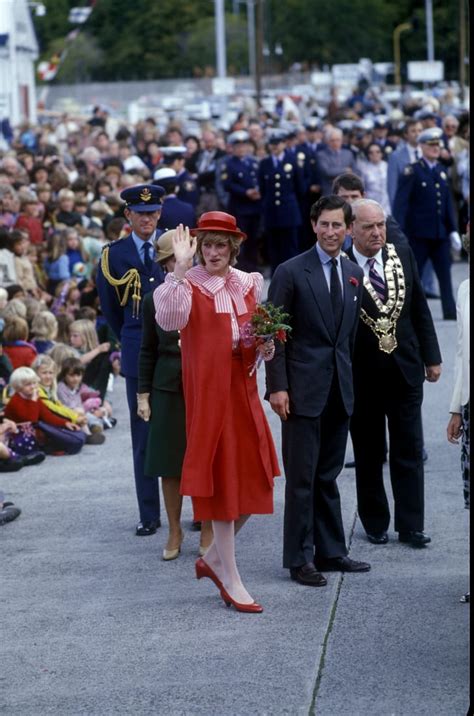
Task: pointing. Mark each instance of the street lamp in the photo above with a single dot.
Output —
(396, 48)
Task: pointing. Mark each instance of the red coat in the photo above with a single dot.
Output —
(207, 369)
(20, 353)
(22, 410)
(33, 226)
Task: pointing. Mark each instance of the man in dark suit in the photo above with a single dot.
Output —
(309, 385)
(396, 349)
(126, 272)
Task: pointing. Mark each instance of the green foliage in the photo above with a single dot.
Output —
(153, 39)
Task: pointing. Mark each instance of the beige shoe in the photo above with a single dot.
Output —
(170, 554)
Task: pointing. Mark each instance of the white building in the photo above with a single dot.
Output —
(18, 52)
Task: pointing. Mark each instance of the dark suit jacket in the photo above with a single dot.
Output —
(123, 255)
(415, 333)
(159, 362)
(314, 354)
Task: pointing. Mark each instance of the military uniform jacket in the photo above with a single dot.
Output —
(306, 156)
(123, 256)
(281, 186)
(238, 176)
(415, 332)
(423, 205)
(176, 212)
(188, 190)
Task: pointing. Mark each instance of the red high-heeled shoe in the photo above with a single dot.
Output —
(203, 570)
(253, 608)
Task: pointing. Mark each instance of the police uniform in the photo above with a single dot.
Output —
(423, 208)
(281, 184)
(174, 211)
(306, 157)
(238, 176)
(123, 278)
(186, 182)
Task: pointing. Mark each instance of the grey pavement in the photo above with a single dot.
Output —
(94, 622)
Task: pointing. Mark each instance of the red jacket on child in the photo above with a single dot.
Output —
(22, 410)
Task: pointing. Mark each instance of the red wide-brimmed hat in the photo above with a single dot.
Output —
(218, 221)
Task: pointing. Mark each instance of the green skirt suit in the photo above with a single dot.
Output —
(159, 373)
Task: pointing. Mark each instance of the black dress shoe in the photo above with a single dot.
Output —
(342, 564)
(308, 575)
(196, 526)
(415, 538)
(378, 537)
(34, 458)
(144, 529)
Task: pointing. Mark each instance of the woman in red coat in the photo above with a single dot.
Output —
(230, 459)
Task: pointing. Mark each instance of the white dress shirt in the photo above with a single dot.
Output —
(363, 262)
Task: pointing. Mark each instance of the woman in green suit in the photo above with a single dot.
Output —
(160, 401)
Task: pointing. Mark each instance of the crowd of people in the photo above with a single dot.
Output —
(81, 214)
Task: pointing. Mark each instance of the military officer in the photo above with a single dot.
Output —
(380, 135)
(240, 180)
(424, 210)
(173, 158)
(174, 210)
(306, 153)
(125, 274)
(281, 184)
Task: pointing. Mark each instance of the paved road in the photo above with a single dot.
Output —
(95, 623)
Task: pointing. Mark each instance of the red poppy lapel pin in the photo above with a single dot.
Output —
(354, 281)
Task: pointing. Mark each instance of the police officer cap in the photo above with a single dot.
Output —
(276, 137)
(143, 197)
(164, 177)
(290, 133)
(239, 136)
(173, 152)
(381, 121)
(426, 113)
(364, 125)
(430, 136)
(345, 125)
(312, 124)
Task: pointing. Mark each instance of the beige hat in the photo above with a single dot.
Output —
(164, 245)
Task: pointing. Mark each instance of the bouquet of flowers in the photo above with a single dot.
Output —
(266, 324)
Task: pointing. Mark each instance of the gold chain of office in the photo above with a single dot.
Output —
(385, 326)
(130, 281)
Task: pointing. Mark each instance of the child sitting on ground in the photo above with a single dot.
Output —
(56, 434)
(73, 393)
(44, 328)
(93, 355)
(15, 342)
(46, 370)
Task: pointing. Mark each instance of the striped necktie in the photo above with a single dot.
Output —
(376, 280)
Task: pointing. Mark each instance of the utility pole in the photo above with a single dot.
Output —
(220, 39)
(462, 47)
(429, 30)
(251, 37)
(259, 51)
